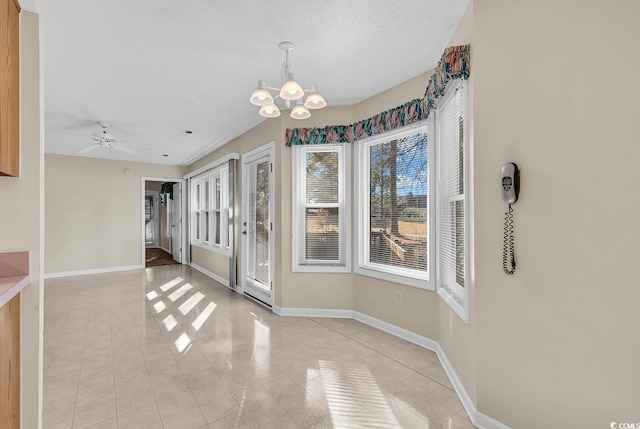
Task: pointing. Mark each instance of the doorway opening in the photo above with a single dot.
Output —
(162, 221)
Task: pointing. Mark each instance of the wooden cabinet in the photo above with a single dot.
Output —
(10, 364)
(9, 88)
(14, 277)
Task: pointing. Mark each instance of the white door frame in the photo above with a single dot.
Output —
(143, 240)
(155, 213)
(267, 150)
(177, 199)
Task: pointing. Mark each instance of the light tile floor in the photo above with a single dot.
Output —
(167, 347)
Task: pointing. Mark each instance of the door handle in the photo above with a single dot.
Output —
(244, 232)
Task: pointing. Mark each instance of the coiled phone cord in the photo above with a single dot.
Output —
(508, 249)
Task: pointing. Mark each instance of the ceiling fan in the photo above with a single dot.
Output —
(105, 139)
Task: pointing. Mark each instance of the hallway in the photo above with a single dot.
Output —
(167, 347)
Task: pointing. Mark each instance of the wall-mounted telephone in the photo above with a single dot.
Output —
(510, 182)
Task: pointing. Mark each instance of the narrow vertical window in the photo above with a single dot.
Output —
(205, 210)
(217, 206)
(320, 241)
(452, 241)
(197, 211)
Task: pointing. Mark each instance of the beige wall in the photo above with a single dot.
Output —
(214, 262)
(93, 212)
(21, 215)
(555, 92)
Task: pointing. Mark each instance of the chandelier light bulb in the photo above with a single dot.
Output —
(315, 100)
(261, 97)
(270, 111)
(300, 112)
(291, 90)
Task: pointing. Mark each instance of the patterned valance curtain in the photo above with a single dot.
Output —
(454, 64)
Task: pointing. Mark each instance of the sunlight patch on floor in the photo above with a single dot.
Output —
(190, 303)
(165, 287)
(346, 388)
(169, 322)
(182, 342)
(159, 306)
(180, 291)
(202, 317)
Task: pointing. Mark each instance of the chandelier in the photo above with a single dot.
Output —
(289, 92)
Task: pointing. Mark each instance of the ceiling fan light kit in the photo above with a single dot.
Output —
(290, 91)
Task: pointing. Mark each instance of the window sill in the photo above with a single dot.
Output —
(329, 269)
(408, 281)
(454, 304)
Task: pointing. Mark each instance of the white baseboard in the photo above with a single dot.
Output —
(214, 276)
(313, 312)
(208, 273)
(479, 420)
(165, 249)
(412, 337)
(92, 271)
(483, 421)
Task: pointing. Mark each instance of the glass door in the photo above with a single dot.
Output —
(257, 228)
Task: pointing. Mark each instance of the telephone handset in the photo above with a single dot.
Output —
(510, 189)
(510, 183)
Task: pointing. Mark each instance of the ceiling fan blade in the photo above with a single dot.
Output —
(89, 148)
(126, 149)
(136, 143)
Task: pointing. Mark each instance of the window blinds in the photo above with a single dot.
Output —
(398, 202)
(322, 206)
(451, 225)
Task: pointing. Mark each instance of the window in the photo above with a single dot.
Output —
(210, 210)
(393, 211)
(320, 238)
(452, 204)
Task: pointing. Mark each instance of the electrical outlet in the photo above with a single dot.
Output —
(398, 297)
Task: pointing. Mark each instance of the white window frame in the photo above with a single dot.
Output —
(409, 277)
(455, 296)
(221, 173)
(299, 205)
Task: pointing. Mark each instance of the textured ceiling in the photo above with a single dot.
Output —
(153, 68)
(29, 5)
